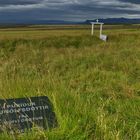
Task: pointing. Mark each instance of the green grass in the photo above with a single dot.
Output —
(93, 85)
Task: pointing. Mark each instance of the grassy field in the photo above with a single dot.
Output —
(93, 85)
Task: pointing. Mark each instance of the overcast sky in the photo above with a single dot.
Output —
(71, 10)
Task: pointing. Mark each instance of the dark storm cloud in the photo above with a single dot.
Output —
(67, 9)
(131, 1)
(18, 2)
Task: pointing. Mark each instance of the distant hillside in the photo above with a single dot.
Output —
(116, 21)
(63, 22)
(39, 22)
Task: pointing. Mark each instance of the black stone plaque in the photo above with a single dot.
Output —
(18, 115)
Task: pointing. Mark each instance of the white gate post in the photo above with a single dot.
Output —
(101, 28)
(92, 30)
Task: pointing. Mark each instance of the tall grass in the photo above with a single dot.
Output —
(94, 86)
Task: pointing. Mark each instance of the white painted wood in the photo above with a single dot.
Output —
(101, 28)
(92, 31)
(97, 22)
(102, 37)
